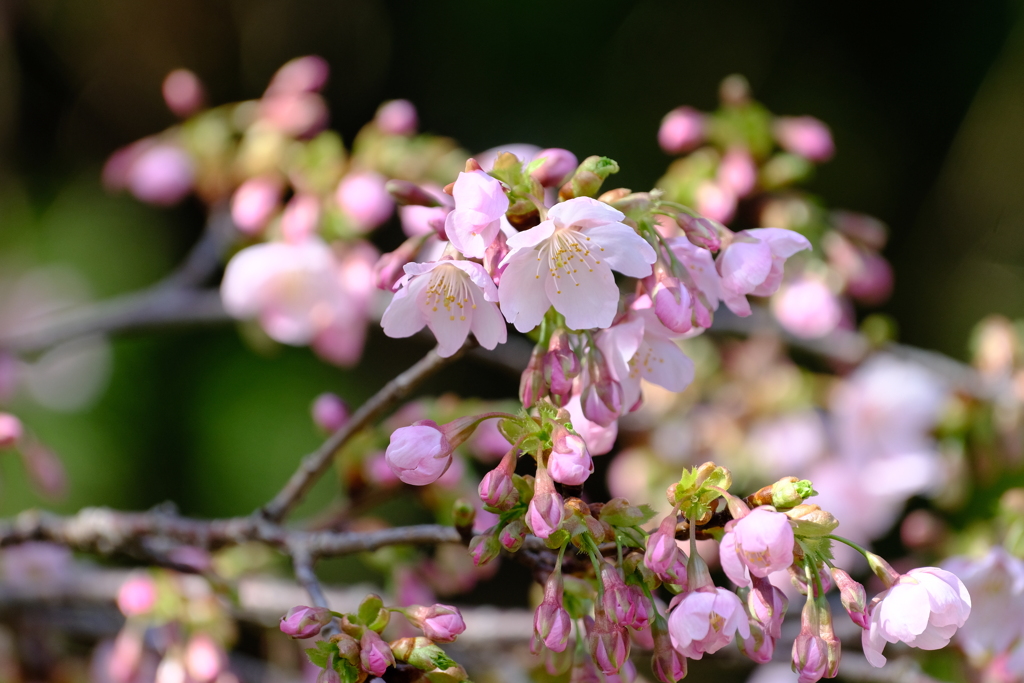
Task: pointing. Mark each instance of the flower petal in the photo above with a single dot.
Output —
(623, 249)
(521, 291)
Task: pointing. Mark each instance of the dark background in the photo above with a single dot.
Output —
(926, 106)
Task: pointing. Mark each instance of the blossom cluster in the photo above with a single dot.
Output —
(358, 651)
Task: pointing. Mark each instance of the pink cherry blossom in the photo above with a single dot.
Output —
(570, 462)
(253, 204)
(715, 200)
(440, 623)
(681, 130)
(640, 347)
(364, 199)
(705, 621)
(996, 585)
(753, 264)
(452, 298)
(760, 543)
(545, 512)
(810, 657)
(11, 430)
(804, 135)
(480, 202)
(303, 293)
(567, 262)
(305, 622)
(923, 609)
(137, 595)
(330, 412)
(608, 640)
(807, 308)
(375, 655)
(661, 546)
(204, 658)
(160, 174)
(300, 218)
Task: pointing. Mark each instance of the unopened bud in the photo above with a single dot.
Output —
(701, 231)
(513, 535)
(558, 163)
(463, 514)
(397, 117)
(305, 622)
(532, 386)
(183, 92)
(790, 492)
(811, 520)
(589, 177)
(330, 413)
(406, 193)
(11, 430)
(484, 547)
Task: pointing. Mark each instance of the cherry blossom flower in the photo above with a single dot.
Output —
(738, 172)
(760, 543)
(753, 264)
(567, 262)
(681, 130)
(420, 453)
(570, 462)
(923, 609)
(996, 586)
(639, 347)
(364, 199)
(598, 438)
(545, 512)
(305, 622)
(452, 298)
(374, 654)
(11, 430)
(480, 202)
(705, 621)
(441, 623)
(804, 135)
(807, 308)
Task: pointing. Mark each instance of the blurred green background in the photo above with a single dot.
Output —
(927, 109)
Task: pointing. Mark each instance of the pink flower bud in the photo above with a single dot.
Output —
(545, 512)
(305, 622)
(702, 232)
(872, 283)
(760, 543)
(807, 308)
(616, 598)
(673, 305)
(806, 136)
(668, 665)
(558, 163)
(299, 114)
(330, 413)
(551, 623)
(136, 596)
(204, 659)
(253, 204)
(570, 462)
(390, 267)
(11, 430)
(183, 92)
(420, 453)
(513, 535)
(767, 605)
(374, 654)
(125, 656)
(300, 218)
(602, 397)
(716, 201)
(495, 252)
(677, 573)
(364, 199)
(484, 547)
(496, 488)
(397, 117)
(704, 621)
(302, 74)
(738, 172)
(853, 597)
(609, 642)
(810, 657)
(561, 367)
(162, 174)
(681, 130)
(532, 386)
(644, 614)
(661, 546)
(759, 647)
(480, 202)
(440, 623)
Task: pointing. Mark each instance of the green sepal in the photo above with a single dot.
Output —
(322, 651)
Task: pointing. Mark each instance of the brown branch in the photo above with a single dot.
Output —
(317, 462)
(108, 532)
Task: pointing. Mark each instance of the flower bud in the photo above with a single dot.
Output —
(661, 546)
(330, 413)
(183, 93)
(804, 135)
(513, 535)
(390, 267)
(810, 657)
(558, 163)
(759, 646)
(738, 172)
(811, 520)
(546, 510)
(716, 201)
(305, 622)
(551, 623)
(374, 654)
(484, 547)
(569, 461)
(420, 453)
(681, 130)
(602, 397)
(589, 176)
(364, 200)
(853, 597)
(302, 74)
(406, 193)
(497, 488)
(532, 386)
(204, 659)
(609, 642)
(161, 174)
(137, 595)
(672, 304)
(616, 598)
(300, 218)
(493, 256)
(702, 232)
(397, 117)
(253, 203)
(561, 367)
(440, 623)
(668, 665)
(11, 430)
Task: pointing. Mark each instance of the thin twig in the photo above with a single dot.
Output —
(317, 462)
(108, 532)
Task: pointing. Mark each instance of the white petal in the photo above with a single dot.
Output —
(403, 317)
(487, 324)
(584, 212)
(521, 292)
(527, 239)
(623, 249)
(588, 298)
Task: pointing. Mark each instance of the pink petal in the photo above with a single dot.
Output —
(623, 249)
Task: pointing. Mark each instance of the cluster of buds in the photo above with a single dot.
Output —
(741, 166)
(358, 651)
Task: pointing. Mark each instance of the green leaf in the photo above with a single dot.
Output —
(369, 608)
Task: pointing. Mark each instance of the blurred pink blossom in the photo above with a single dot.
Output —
(253, 203)
(397, 117)
(804, 135)
(807, 308)
(558, 164)
(681, 130)
(716, 201)
(300, 218)
(11, 430)
(996, 585)
(753, 264)
(330, 412)
(160, 173)
(738, 172)
(183, 92)
(137, 595)
(363, 198)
